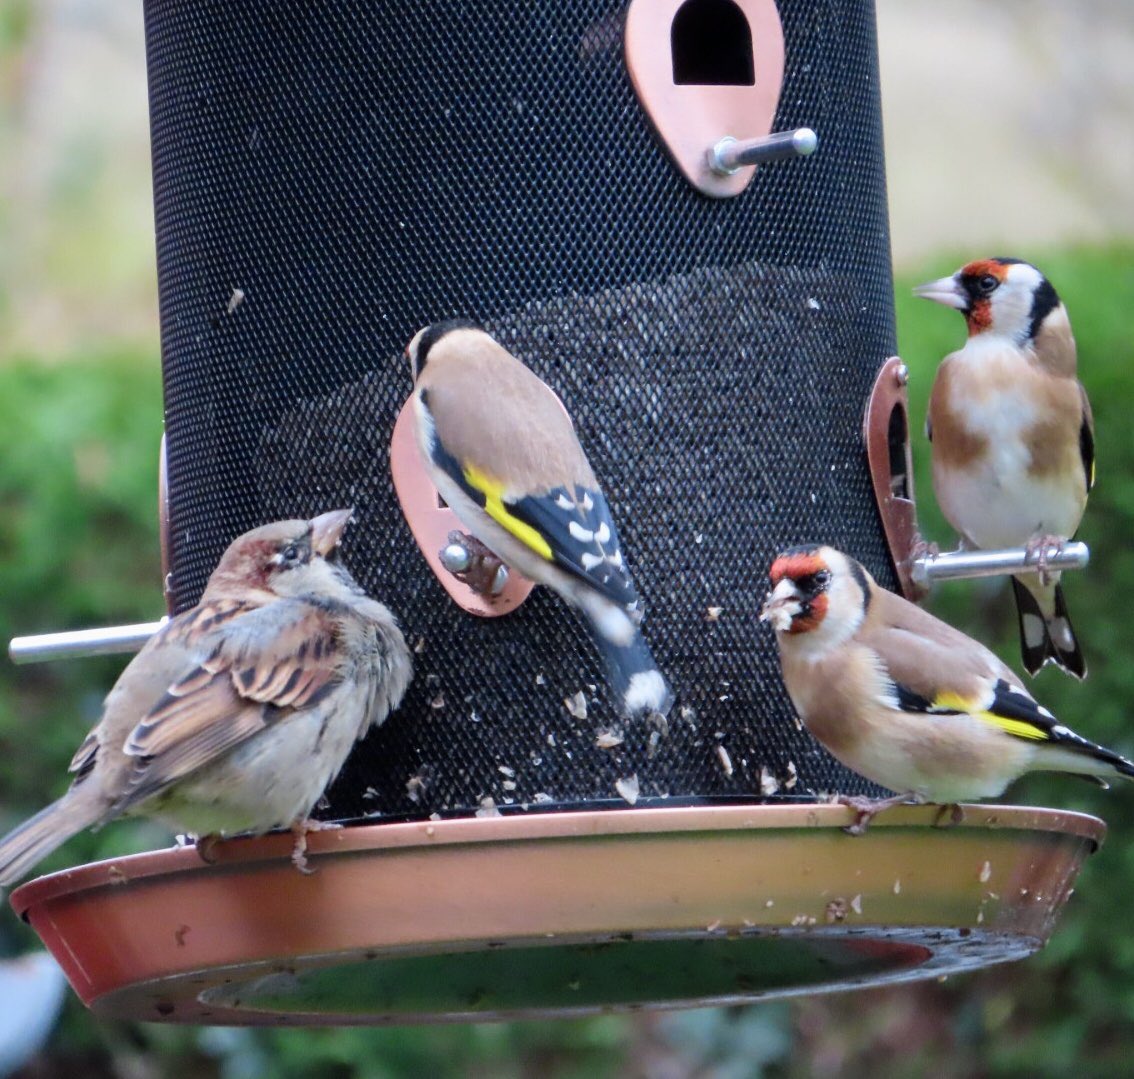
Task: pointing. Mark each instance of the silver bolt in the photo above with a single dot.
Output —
(902, 374)
(500, 580)
(456, 558)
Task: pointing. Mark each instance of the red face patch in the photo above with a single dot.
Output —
(811, 617)
(985, 266)
(795, 566)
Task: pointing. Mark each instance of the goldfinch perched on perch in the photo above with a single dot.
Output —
(904, 699)
(1013, 440)
(503, 453)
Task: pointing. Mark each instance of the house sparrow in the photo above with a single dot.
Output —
(237, 714)
(503, 453)
(1013, 439)
(904, 699)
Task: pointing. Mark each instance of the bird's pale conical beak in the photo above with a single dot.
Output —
(782, 605)
(945, 290)
(327, 530)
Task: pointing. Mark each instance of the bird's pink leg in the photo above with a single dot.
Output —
(300, 829)
(1037, 551)
(865, 809)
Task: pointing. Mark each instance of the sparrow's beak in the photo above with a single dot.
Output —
(782, 605)
(945, 290)
(327, 530)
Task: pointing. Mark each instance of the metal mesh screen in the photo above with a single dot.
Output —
(360, 169)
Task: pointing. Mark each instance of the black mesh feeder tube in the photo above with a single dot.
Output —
(594, 186)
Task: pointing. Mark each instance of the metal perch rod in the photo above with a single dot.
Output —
(925, 570)
(957, 564)
(729, 154)
(82, 642)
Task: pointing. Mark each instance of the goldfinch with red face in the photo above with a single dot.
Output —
(1012, 437)
(503, 453)
(904, 699)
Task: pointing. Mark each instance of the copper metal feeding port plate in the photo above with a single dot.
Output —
(558, 913)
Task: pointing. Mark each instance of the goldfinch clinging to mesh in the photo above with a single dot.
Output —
(1012, 437)
(904, 699)
(503, 453)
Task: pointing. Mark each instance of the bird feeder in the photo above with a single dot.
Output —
(624, 196)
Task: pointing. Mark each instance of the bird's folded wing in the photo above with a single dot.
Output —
(569, 525)
(254, 669)
(929, 677)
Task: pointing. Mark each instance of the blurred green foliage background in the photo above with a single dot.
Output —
(80, 423)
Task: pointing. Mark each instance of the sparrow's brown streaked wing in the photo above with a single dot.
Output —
(261, 667)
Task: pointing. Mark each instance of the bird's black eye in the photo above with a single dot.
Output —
(987, 284)
(290, 554)
(813, 583)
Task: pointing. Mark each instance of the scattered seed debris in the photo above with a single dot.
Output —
(504, 770)
(897, 887)
(417, 783)
(509, 784)
(769, 903)
(551, 739)
(576, 705)
(792, 777)
(856, 904)
(438, 702)
(540, 680)
(434, 815)
(985, 872)
(768, 782)
(713, 926)
(608, 739)
(652, 744)
(713, 614)
(370, 792)
(488, 807)
(725, 759)
(628, 788)
(813, 303)
(836, 910)
(419, 647)
(540, 798)
(235, 300)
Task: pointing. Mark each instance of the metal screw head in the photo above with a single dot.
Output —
(455, 558)
(902, 374)
(500, 580)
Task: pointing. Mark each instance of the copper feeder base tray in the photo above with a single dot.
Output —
(557, 914)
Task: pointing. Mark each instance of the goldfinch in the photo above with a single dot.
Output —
(503, 454)
(1012, 437)
(904, 699)
(238, 713)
